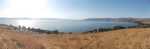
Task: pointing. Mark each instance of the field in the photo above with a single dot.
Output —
(135, 38)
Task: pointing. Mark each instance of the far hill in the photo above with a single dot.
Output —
(118, 19)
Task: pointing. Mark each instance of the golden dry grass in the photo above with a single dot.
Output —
(138, 38)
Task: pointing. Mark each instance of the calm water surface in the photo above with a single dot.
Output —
(65, 25)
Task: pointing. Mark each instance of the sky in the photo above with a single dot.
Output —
(74, 9)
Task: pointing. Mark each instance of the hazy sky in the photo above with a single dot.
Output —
(74, 9)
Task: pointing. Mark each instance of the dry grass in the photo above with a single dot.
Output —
(138, 38)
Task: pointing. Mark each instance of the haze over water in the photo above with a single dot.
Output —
(64, 25)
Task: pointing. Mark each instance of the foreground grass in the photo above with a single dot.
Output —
(138, 38)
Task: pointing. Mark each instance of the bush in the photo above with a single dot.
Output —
(118, 27)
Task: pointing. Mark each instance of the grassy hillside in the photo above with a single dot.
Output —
(138, 38)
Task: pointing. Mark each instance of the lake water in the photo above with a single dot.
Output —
(65, 25)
